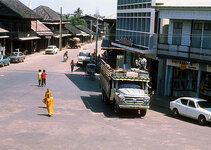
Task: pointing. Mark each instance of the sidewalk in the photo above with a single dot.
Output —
(162, 101)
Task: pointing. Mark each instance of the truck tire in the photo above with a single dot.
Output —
(143, 112)
(104, 98)
(117, 110)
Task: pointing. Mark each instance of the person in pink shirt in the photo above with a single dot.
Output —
(44, 74)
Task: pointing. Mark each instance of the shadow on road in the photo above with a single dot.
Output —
(94, 103)
(46, 115)
(84, 84)
(42, 107)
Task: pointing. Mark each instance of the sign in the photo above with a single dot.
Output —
(48, 37)
(182, 64)
(132, 74)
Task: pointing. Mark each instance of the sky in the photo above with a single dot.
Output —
(105, 7)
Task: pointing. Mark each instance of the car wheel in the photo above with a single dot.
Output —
(2, 65)
(8, 63)
(175, 112)
(202, 120)
(143, 112)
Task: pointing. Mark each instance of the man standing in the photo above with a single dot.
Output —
(48, 100)
(44, 74)
(143, 63)
(39, 76)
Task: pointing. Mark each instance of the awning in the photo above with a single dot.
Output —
(44, 33)
(82, 34)
(4, 37)
(63, 35)
(28, 38)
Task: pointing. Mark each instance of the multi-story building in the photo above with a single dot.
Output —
(184, 49)
(135, 32)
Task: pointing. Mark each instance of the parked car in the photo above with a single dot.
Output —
(4, 60)
(194, 108)
(17, 57)
(51, 49)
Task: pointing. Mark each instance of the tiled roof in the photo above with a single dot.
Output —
(40, 28)
(72, 29)
(14, 8)
(48, 14)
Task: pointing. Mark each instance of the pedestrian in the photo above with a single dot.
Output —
(150, 90)
(48, 100)
(72, 64)
(39, 76)
(137, 62)
(44, 74)
(143, 65)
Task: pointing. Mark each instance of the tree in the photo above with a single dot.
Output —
(76, 18)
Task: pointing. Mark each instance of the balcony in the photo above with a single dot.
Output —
(184, 52)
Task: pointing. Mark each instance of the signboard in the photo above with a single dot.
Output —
(132, 74)
(48, 37)
(182, 64)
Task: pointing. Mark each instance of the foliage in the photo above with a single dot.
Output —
(76, 18)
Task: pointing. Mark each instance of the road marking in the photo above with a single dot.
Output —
(1, 75)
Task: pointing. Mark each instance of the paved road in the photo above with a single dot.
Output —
(81, 120)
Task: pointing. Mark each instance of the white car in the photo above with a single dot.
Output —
(194, 108)
(84, 56)
(51, 49)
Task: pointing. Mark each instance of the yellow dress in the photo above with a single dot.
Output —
(49, 104)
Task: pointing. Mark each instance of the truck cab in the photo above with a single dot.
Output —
(84, 56)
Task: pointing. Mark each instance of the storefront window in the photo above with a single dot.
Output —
(205, 86)
(184, 82)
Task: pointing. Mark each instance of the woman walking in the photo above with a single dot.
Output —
(72, 65)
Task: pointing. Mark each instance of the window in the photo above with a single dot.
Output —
(184, 101)
(177, 33)
(191, 104)
(196, 35)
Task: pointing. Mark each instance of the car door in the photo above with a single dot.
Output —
(183, 107)
(191, 109)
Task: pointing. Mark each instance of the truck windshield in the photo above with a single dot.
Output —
(14, 54)
(84, 54)
(129, 86)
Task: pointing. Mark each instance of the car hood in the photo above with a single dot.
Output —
(49, 49)
(132, 92)
(13, 56)
(207, 110)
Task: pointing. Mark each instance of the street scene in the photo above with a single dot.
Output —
(136, 79)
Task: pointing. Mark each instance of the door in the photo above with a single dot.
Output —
(183, 107)
(191, 109)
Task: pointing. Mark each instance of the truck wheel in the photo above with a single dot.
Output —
(143, 112)
(117, 110)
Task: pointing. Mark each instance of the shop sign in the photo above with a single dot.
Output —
(48, 37)
(208, 68)
(182, 64)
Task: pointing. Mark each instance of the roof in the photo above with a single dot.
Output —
(3, 30)
(182, 3)
(48, 14)
(72, 29)
(91, 17)
(111, 17)
(14, 8)
(85, 29)
(193, 99)
(40, 28)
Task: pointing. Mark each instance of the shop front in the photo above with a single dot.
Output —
(184, 78)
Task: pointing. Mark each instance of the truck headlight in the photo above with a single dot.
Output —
(121, 98)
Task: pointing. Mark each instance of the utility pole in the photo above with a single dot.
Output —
(60, 30)
(30, 4)
(91, 31)
(96, 42)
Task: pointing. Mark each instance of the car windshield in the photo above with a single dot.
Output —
(14, 54)
(204, 104)
(50, 47)
(84, 54)
(129, 86)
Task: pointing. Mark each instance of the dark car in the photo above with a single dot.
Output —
(17, 57)
(4, 60)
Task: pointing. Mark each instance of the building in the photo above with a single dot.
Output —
(184, 48)
(16, 18)
(135, 33)
(3, 38)
(51, 19)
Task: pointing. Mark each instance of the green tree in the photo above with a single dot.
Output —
(76, 18)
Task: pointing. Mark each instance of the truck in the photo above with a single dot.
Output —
(125, 89)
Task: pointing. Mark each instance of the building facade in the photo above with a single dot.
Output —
(184, 51)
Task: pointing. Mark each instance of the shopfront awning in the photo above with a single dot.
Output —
(4, 37)
(28, 38)
(63, 35)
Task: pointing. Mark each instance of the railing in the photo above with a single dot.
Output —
(184, 52)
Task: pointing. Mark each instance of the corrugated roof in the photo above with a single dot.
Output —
(48, 14)
(40, 28)
(72, 29)
(85, 29)
(14, 8)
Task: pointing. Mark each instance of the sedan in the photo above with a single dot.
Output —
(194, 108)
(51, 49)
(17, 57)
(4, 60)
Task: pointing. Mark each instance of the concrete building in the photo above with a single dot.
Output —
(184, 48)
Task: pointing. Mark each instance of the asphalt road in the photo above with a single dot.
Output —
(81, 121)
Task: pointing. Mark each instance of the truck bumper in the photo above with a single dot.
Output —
(133, 107)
